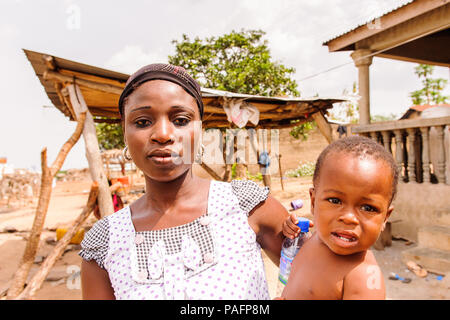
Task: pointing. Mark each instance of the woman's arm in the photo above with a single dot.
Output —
(95, 283)
(267, 221)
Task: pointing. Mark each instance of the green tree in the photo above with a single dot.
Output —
(301, 131)
(431, 93)
(238, 62)
(380, 117)
(110, 136)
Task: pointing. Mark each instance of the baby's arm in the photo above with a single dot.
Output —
(365, 282)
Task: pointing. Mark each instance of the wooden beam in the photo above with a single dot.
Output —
(39, 277)
(210, 171)
(389, 20)
(55, 76)
(96, 120)
(401, 124)
(50, 62)
(415, 28)
(323, 126)
(415, 60)
(93, 78)
(92, 151)
(47, 176)
(63, 99)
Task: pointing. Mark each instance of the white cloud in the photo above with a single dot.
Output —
(8, 31)
(132, 57)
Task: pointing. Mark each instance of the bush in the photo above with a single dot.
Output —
(303, 170)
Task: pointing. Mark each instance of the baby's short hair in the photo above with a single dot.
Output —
(361, 147)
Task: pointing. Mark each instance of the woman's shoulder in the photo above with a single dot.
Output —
(248, 193)
(95, 243)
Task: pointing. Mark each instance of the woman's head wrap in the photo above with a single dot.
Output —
(162, 71)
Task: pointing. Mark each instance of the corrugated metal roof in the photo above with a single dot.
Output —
(368, 19)
(274, 111)
(213, 93)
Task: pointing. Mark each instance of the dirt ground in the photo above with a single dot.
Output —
(68, 199)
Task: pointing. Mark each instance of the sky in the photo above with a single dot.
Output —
(125, 35)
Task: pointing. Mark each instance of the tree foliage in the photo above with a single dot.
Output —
(431, 93)
(237, 62)
(110, 136)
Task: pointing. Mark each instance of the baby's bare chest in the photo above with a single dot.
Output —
(316, 275)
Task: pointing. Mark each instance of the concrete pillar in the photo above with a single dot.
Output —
(440, 168)
(362, 62)
(399, 151)
(425, 154)
(411, 155)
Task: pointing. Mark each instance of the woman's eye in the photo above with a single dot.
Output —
(369, 208)
(142, 123)
(334, 200)
(181, 121)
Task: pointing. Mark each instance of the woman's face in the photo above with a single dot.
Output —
(161, 127)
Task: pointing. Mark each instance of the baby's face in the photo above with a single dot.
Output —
(350, 202)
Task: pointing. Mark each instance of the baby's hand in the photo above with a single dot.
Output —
(290, 228)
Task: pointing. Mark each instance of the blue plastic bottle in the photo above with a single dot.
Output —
(289, 250)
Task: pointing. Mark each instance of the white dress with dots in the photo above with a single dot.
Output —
(213, 257)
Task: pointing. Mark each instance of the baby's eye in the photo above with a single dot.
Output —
(181, 121)
(142, 123)
(334, 200)
(369, 208)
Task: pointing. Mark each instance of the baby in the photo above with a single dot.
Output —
(354, 183)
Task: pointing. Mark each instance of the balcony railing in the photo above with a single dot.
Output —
(416, 145)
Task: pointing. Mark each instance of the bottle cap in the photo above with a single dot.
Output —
(303, 224)
(296, 204)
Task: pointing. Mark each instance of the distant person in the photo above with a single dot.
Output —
(355, 181)
(186, 237)
(117, 200)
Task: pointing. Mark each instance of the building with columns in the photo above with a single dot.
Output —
(416, 31)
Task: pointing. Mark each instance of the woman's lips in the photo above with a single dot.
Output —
(161, 159)
(164, 158)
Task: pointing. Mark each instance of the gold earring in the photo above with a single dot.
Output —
(125, 155)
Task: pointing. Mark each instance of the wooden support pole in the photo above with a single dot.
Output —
(92, 151)
(263, 147)
(41, 210)
(37, 280)
(281, 172)
(323, 126)
(210, 171)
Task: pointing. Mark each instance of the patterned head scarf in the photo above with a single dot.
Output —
(162, 71)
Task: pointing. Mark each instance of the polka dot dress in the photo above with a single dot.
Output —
(213, 257)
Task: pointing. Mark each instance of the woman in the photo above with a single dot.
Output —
(186, 237)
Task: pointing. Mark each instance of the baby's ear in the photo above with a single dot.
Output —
(312, 196)
(388, 214)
